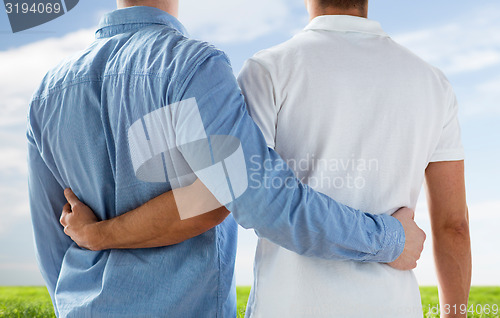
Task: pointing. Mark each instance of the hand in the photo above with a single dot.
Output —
(414, 243)
(80, 222)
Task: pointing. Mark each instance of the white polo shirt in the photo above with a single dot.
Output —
(359, 118)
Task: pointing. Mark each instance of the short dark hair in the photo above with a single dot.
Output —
(343, 4)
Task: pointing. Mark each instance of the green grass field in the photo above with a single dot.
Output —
(34, 302)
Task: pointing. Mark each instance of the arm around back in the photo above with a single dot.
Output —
(290, 214)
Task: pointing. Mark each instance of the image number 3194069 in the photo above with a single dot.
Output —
(27, 14)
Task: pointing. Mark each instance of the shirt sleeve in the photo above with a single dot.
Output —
(261, 98)
(46, 200)
(449, 147)
(275, 203)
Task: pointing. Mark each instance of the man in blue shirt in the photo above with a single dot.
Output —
(84, 133)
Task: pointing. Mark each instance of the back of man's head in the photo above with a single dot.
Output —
(343, 4)
(169, 6)
(337, 7)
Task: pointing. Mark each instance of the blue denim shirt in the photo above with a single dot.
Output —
(79, 119)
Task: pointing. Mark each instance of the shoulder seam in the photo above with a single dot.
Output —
(273, 80)
(209, 52)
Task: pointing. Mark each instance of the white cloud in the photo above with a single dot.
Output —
(18, 266)
(486, 211)
(15, 205)
(12, 214)
(24, 67)
(234, 20)
(474, 60)
(483, 98)
(13, 161)
(471, 44)
(247, 243)
(22, 210)
(488, 87)
(486, 98)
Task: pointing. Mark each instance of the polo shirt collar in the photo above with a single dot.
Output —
(127, 19)
(346, 23)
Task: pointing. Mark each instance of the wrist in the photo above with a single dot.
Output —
(393, 240)
(95, 234)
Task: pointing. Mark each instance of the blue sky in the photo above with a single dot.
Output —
(460, 37)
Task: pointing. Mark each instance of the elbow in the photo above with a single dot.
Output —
(211, 219)
(461, 229)
(218, 216)
(457, 229)
(455, 226)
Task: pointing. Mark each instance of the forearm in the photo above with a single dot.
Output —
(446, 198)
(452, 253)
(154, 224)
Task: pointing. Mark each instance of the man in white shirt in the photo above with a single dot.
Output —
(355, 114)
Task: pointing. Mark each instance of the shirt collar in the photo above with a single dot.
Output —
(133, 18)
(346, 23)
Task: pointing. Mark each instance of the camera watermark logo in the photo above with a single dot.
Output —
(27, 14)
(171, 145)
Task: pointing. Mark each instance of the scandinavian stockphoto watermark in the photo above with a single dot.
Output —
(319, 173)
(206, 172)
(27, 14)
(171, 145)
